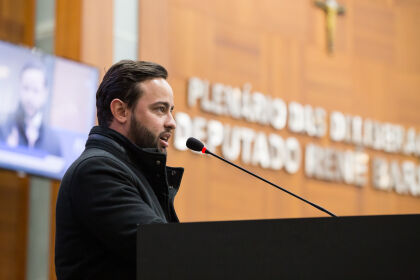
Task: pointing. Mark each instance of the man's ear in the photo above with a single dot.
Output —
(119, 110)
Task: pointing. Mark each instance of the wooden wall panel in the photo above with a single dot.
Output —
(153, 17)
(14, 195)
(68, 29)
(17, 21)
(16, 26)
(97, 34)
(280, 48)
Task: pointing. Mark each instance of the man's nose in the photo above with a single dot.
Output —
(170, 122)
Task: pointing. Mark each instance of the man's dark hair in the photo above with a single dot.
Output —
(121, 81)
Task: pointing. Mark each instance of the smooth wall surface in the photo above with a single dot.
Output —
(280, 48)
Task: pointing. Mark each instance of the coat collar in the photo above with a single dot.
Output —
(151, 159)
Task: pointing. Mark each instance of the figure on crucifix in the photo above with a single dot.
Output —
(332, 9)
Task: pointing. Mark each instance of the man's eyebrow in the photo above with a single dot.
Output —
(166, 104)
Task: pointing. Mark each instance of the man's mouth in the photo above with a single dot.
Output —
(163, 139)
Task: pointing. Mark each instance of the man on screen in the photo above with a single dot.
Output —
(27, 127)
(121, 180)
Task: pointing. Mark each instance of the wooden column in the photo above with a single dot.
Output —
(14, 192)
(68, 28)
(16, 26)
(17, 21)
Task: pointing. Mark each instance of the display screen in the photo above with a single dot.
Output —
(47, 108)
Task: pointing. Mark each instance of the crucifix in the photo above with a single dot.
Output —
(331, 9)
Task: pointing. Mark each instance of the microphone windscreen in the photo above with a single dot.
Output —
(194, 144)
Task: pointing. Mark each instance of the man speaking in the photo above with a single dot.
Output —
(121, 180)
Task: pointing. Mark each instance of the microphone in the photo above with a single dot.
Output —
(195, 145)
(198, 146)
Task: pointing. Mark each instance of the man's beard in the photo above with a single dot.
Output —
(143, 137)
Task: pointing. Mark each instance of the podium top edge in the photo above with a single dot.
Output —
(303, 219)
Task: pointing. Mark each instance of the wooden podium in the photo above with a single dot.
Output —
(365, 247)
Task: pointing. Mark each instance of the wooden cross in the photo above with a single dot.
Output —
(332, 9)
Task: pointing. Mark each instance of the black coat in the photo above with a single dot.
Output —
(113, 187)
